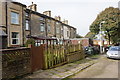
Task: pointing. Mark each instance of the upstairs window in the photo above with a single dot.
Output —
(48, 27)
(57, 30)
(67, 33)
(49, 21)
(41, 19)
(61, 31)
(26, 14)
(14, 18)
(27, 25)
(42, 28)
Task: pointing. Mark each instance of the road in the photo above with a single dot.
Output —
(104, 68)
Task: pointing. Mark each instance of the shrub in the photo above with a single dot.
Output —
(30, 41)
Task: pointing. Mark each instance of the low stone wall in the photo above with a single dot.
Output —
(15, 62)
(75, 56)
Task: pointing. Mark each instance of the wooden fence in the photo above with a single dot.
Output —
(54, 56)
(61, 54)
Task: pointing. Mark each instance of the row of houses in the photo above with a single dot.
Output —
(17, 21)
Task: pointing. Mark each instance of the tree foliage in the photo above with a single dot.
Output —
(90, 35)
(111, 27)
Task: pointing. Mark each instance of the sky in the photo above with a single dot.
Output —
(79, 13)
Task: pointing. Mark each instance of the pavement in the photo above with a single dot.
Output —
(65, 70)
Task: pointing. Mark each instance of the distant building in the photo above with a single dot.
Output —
(19, 21)
(84, 41)
(97, 42)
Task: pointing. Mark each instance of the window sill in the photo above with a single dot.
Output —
(42, 31)
(15, 45)
(15, 24)
(27, 30)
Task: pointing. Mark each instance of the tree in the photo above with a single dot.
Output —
(111, 27)
(90, 35)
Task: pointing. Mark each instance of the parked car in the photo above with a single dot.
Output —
(89, 50)
(114, 52)
(107, 48)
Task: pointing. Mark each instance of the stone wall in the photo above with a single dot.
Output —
(75, 56)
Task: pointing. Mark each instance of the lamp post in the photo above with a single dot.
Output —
(101, 41)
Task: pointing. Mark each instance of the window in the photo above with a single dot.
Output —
(62, 32)
(42, 19)
(15, 38)
(67, 33)
(57, 30)
(42, 28)
(26, 14)
(48, 27)
(57, 23)
(49, 20)
(14, 18)
(27, 25)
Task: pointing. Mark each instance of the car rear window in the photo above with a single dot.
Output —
(115, 49)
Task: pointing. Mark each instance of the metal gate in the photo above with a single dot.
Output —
(37, 58)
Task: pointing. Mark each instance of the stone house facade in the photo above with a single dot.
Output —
(18, 21)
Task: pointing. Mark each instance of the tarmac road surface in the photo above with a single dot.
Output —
(104, 68)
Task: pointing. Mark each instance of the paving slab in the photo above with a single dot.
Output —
(62, 71)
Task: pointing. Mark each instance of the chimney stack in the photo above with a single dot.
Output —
(65, 21)
(58, 18)
(33, 7)
(47, 13)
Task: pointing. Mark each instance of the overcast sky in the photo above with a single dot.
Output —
(79, 13)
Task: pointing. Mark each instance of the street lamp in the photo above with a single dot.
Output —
(101, 41)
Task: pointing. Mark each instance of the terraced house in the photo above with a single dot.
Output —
(17, 21)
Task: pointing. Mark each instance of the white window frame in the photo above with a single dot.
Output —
(15, 38)
(16, 18)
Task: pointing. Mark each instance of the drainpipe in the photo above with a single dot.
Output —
(23, 25)
(46, 33)
(55, 28)
(30, 22)
(6, 18)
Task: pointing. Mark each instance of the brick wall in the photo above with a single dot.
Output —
(15, 62)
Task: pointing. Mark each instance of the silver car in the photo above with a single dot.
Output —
(114, 52)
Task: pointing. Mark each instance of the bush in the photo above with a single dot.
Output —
(30, 41)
